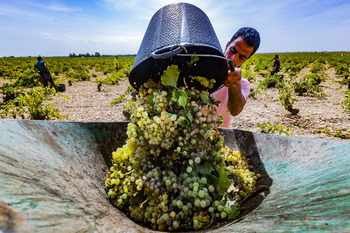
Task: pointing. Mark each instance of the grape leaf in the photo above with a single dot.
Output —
(205, 169)
(183, 101)
(185, 119)
(205, 97)
(214, 180)
(235, 212)
(193, 60)
(180, 97)
(149, 100)
(223, 182)
(170, 76)
(188, 117)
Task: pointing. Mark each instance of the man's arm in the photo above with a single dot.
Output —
(46, 67)
(275, 66)
(35, 69)
(236, 100)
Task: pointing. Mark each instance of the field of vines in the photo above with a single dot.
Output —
(302, 75)
(24, 97)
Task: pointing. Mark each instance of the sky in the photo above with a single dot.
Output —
(60, 27)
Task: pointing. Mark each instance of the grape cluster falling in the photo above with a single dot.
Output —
(174, 172)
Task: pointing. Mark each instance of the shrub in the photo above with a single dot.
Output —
(342, 70)
(10, 92)
(31, 106)
(271, 81)
(270, 128)
(316, 68)
(346, 101)
(114, 77)
(77, 75)
(248, 74)
(287, 100)
(300, 88)
(309, 85)
(261, 66)
(336, 133)
(28, 78)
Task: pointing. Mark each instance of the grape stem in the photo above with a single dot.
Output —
(144, 202)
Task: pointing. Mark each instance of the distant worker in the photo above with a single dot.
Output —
(116, 63)
(41, 68)
(276, 65)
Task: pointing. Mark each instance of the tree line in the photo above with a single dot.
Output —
(97, 54)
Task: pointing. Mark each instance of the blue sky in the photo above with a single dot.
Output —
(60, 27)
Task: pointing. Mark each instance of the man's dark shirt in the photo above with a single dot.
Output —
(277, 65)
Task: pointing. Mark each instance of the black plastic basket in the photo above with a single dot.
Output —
(175, 30)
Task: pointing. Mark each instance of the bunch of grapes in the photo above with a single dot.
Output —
(174, 172)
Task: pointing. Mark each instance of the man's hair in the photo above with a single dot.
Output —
(39, 58)
(276, 56)
(250, 36)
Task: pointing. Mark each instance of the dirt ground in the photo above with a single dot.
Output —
(86, 103)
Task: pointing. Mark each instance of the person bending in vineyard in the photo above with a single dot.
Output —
(276, 65)
(233, 96)
(41, 68)
(116, 63)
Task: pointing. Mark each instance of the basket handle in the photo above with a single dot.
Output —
(161, 54)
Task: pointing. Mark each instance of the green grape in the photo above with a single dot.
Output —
(168, 183)
(223, 214)
(201, 194)
(185, 208)
(228, 209)
(220, 208)
(179, 204)
(211, 188)
(197, 202)
(197, 160)
(175, 224)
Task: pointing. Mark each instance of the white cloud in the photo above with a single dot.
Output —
(46, 35)
(49, 5)
(61, 8)
(98, 39)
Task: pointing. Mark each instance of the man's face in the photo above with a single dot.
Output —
(238, 51)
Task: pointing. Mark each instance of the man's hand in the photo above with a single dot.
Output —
(233, 78)
(235, 101)
(36, 70)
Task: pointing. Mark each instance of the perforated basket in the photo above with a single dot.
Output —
(178, 29)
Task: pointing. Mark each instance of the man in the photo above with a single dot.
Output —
(41, 68)
(233, 96)
(276, 65)
(116, 63)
